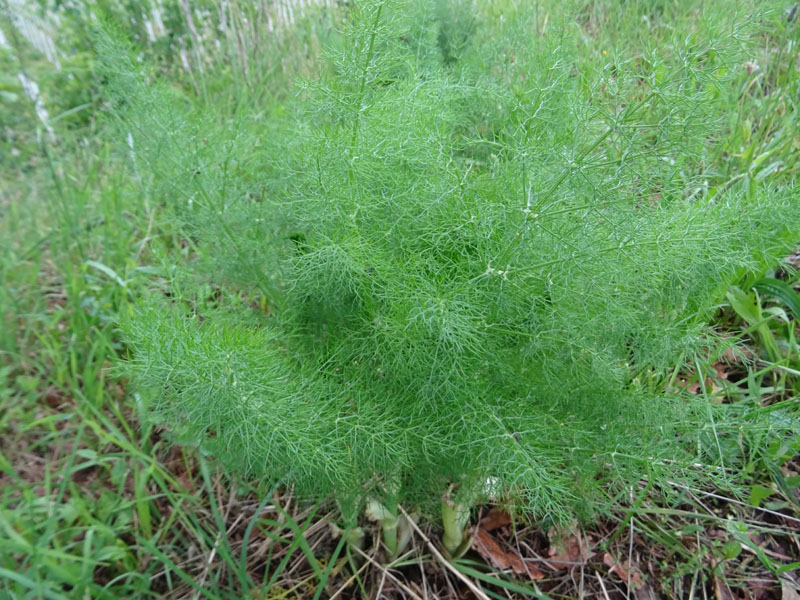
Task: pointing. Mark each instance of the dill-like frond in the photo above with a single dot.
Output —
(470, 239)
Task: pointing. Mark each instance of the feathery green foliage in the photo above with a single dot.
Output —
(469, 239)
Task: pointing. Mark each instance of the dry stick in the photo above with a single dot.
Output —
(387, 573)
(214, 550)
(733, 501)
(380, 586)
(602, 585)
(438, 556)
(146, 235)
(422, 572)
(231, 499)
(694, 583)
(348, 582)
(238, 520)
(206, 570)
(630, 553)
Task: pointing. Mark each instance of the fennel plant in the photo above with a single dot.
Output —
(443, 263)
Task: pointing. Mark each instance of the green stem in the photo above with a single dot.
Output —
(355, 537)
(362, 87)
(454, 519)
(388, 521)
(389, 529)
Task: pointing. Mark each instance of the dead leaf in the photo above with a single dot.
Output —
(495, 519)
(789, 590)
(624, 574)
(567, 549)
(720, 370)
(491, 551)
(630, 576)
(54, 397)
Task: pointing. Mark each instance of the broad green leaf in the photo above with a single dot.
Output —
(758, 493)
(780, 290)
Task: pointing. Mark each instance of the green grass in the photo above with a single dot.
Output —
(96, 502)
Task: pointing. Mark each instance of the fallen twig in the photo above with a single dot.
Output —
(446, 563)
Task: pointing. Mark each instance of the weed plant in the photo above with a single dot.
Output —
(446, 263)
